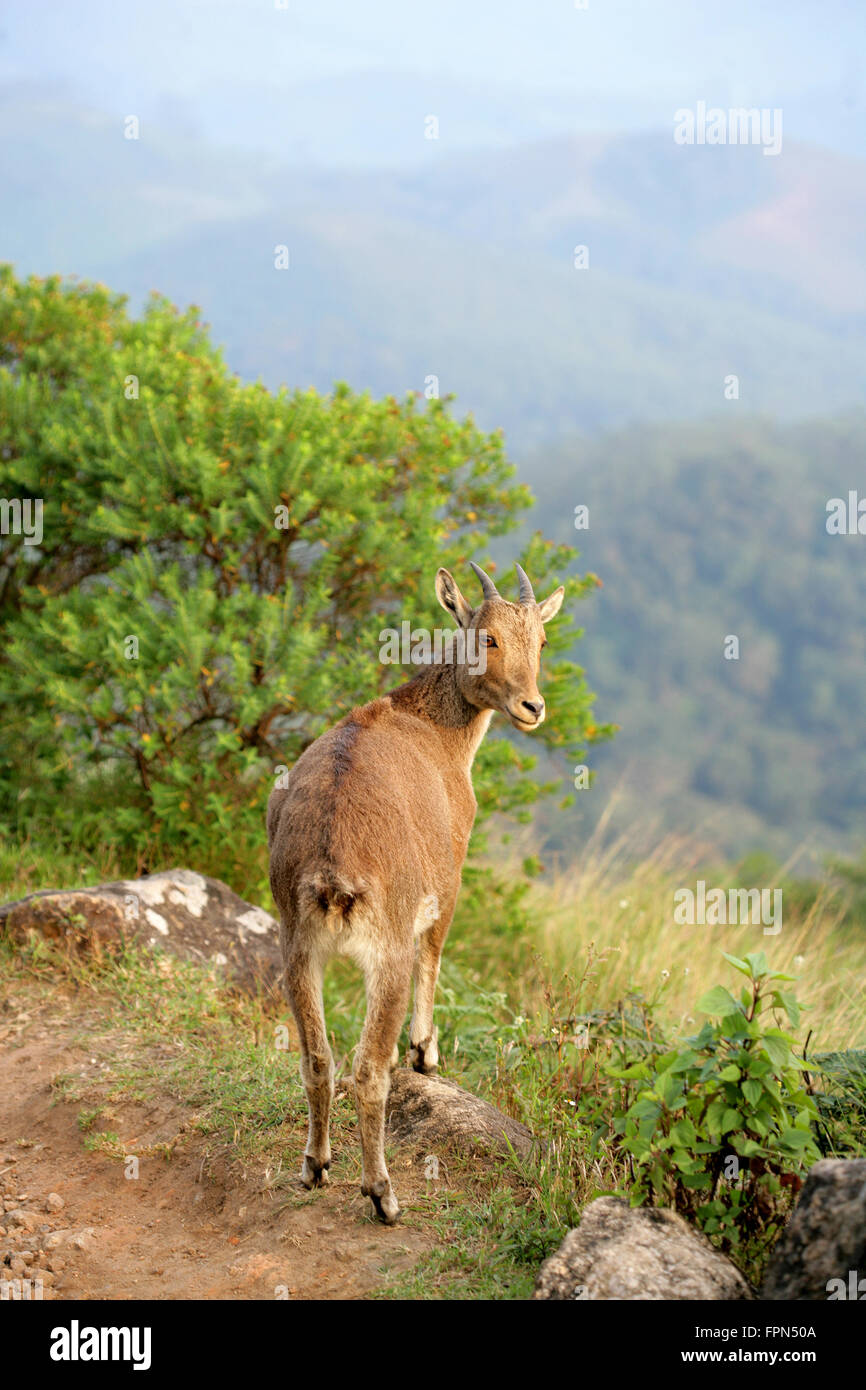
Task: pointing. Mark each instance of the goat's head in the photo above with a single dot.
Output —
(512, 635)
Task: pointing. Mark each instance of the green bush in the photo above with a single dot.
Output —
(721, 1126)
(216, 567)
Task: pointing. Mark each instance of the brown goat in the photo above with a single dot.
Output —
(367, 846)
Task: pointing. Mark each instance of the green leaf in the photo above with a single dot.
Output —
(738, 964)
(683, 1132)
(778, 1049)
(798, 1139)
(645, 1109)
(752, 1090)
(788, 1002)
(757, 963)
(718, 1001)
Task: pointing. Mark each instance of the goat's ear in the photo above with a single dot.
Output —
(451, 598)
(549, 607)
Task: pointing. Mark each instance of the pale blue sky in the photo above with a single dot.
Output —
(221, 65)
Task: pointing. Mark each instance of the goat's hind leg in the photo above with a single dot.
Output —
(304, 988)
(387, 1000)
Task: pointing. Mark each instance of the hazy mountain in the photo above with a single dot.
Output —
(703, 262)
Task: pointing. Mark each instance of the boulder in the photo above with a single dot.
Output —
(434, 1114)
(186, 913)
(623, 1252)
(825, 1238)
(431, 1111)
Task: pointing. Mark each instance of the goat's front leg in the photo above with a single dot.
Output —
(387, 998)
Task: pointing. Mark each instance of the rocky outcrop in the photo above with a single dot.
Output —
(821, 1254)
(622, 1252)
(188, 914)
(434, 1115)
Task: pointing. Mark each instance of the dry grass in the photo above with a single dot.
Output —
(623, 916)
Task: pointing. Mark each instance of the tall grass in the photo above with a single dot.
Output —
(618, 912)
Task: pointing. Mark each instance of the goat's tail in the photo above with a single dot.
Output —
(333, 894)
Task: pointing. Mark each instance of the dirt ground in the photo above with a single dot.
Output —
(188, 1228)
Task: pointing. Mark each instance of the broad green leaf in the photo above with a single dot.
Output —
(717, 1001)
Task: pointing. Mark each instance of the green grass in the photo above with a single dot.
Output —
(491, 1245)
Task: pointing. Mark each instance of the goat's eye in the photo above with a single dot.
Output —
(543, 643)
(489, 641)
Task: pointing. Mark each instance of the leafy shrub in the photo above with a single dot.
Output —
(216, 566)
(721, 1126)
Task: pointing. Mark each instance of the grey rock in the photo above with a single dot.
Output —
(825, 1238)
(434, 1114)
(84, 1239)
(188, 914)
(621, 1252)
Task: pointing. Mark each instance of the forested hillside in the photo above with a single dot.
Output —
(700, 532)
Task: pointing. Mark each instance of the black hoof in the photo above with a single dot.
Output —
(314, 1174)
(387, 1218)
(420, 1063)
(384, 1202)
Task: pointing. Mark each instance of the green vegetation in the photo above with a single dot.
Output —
(216, 568)
(718, 1124)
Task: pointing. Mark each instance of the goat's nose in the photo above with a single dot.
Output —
(535, 706)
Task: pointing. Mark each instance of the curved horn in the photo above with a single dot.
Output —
(526, 594)
(488, 588)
